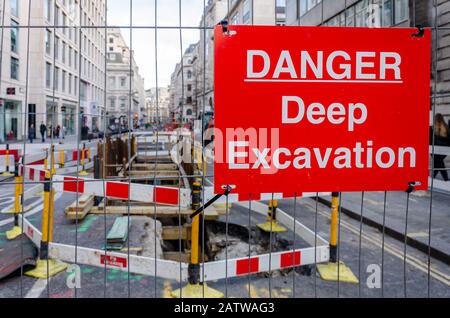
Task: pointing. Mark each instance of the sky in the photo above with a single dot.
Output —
(143, 40)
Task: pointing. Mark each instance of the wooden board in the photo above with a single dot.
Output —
(152, 166)
(160, 212)
(175, 256)
(171, 233)
(119, 231)
(150, 173)
(85, 204)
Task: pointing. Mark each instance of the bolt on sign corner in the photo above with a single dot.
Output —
(312, 109)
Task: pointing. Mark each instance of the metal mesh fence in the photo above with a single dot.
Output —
(409, 265)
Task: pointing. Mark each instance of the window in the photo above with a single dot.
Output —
(112, 82)
(123, 103)
(70, 83)
(386, 18)
(48, 47)
(246, 15)
(189, 74)
(48, 76)
(14, 7)
(111, 40)
(305, 5)
(189, 87)
(57, 40)
(48, 9)
(57, 16)
(63, 52)
(123, 81)
(63, 81)
(112, 103)
(235, 18)
(14, 68)
(401, 11)
(56, 83)
(14, 36)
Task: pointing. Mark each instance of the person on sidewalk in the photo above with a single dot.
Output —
(31, 133)
(43, 130)
(441, 138)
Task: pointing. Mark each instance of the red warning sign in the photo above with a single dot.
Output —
(312, 109)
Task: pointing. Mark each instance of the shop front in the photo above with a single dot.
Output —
(69, 118)
(10, 120)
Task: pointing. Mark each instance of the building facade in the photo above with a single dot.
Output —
(63, 82)
(243, 12)
(386, 13)
(183, 81)
(157, 104)
(13, 71)
(122, 71)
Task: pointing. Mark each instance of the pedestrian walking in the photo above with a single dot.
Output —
(63, 131)
(43, 130)
(441, 138)
(58, 131)
(31, 133)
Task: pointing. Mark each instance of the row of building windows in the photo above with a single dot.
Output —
(122, 103)
(366, 13)
(66, 82)
(122, 82)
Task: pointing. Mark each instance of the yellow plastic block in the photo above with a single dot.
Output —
(83, 173)
(7, 174)
(47, 268)
(329, 272)
(197, 291)
(272, 226)
(13, 233)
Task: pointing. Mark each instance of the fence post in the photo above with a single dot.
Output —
(62, 158)
(7, 173)
(334, 270)
(52, 160)
(83, 172)
(46, 267)
(271, 224)
(18, 197)
(195, 288)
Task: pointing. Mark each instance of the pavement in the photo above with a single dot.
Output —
(423, 208)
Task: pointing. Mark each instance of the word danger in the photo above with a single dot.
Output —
(362, 155)
(337, 65)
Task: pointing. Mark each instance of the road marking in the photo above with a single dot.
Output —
(37, 209)
(252, 291)
(167, 289)
(38, 288)
(411, 260)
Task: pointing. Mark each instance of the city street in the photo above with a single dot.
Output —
(235, 149)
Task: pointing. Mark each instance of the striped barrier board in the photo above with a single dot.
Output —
(122, 190)
(16, 153)
(209, 271)
(32, 174)
(263, 263)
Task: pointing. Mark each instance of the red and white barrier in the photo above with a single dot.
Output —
(122, 190)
